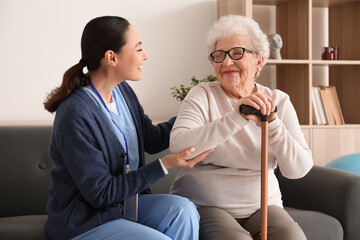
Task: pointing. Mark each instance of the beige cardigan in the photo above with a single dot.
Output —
(229, 178)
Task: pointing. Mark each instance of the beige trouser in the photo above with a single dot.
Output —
(216, 224)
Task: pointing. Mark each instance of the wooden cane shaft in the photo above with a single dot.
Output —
(264, 180)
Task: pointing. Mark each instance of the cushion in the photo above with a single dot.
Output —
(349, 162)
(24, 227)
(317, 225)
(25, 166)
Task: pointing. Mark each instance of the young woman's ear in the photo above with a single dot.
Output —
(110, 57)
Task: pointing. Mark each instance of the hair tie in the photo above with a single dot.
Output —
(82, 63)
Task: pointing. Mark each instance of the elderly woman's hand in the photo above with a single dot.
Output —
(259, 101)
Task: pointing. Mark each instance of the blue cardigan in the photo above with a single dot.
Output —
(89, 181)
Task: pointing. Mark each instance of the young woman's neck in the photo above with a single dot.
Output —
(104, 85)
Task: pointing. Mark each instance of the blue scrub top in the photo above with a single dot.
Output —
(124, 120)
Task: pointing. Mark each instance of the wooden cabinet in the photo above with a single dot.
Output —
(296, 72)
(338, 140)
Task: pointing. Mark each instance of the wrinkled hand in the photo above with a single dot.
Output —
(259, 101)
(178, 160)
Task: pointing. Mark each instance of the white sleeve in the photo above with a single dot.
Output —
(194, 128)
(288, 143)
(163, 167)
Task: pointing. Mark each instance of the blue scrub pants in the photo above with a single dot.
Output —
(161, 217)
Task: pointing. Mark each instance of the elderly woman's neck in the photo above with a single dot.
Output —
(241, 91)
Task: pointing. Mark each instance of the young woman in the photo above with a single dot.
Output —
(99, 137)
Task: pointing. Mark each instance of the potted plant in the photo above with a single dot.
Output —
(181, 92)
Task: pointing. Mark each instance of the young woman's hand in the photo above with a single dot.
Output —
(178, 160)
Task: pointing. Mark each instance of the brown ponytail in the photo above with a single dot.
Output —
(72, 80)
(99, 35)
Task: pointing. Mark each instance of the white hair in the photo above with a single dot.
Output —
(231, 25)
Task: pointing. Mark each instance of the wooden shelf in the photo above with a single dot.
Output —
(345, 126)
(270, 2)
(335, 62)
(315, 3)
(286, 61)
(330, 3)
(295, 72)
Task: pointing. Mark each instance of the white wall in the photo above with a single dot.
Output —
(40, 40)
(320, 39)
(266, 17)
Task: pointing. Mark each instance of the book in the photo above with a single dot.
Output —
(325, 98)
(328, 106)
(320, 105)
(339, 118)
(316, 111)
(315, 117)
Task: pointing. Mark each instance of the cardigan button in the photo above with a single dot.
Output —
(123, 155)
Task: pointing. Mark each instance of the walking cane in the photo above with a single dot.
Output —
(245, 109)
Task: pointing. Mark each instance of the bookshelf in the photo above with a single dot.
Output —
(296, 73)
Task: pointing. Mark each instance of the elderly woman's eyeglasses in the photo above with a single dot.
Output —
(235, 53)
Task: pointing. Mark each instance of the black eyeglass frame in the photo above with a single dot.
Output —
(228, 53)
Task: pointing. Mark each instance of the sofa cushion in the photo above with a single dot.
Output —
(25, 167)
(317, 225)
(25, 227)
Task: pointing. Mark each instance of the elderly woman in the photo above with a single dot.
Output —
(225, 186)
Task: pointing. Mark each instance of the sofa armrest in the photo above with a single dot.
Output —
(330, 191)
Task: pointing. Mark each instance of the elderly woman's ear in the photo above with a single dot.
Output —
(260, 63)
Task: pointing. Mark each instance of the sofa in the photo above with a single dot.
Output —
(325, 203)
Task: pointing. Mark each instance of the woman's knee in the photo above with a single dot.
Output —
(185, 207)
(167, 204)
(282, 226)
(182, 219)
(122, 229)
(287, 231)
(216, 223)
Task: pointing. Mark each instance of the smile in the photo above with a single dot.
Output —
(230, 71)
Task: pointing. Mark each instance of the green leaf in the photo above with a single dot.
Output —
(181, 92)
